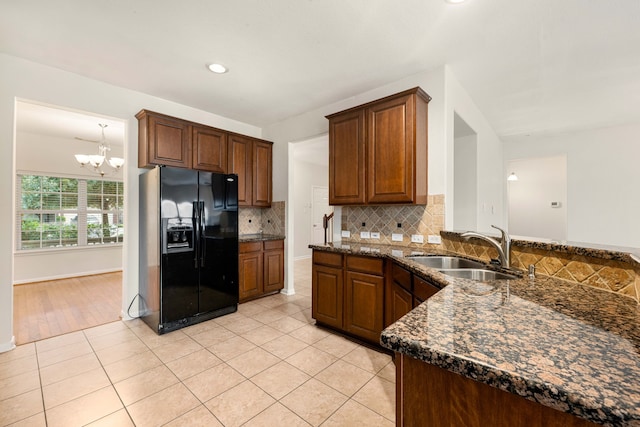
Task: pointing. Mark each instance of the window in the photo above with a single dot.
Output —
(56, 212)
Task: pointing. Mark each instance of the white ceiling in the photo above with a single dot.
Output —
(532, 66)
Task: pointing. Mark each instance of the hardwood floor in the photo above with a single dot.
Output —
(46, 309)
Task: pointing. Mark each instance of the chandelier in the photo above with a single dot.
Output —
(97, 160)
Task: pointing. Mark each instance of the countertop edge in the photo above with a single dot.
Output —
(243, 238)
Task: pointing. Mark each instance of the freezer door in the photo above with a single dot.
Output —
(219, 239)
(179, 271)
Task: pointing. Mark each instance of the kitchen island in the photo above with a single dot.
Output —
(490, 350)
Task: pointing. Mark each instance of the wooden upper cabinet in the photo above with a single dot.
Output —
(163, 140)
(168, 141)
(209, 147)
(347, 158)
(241, 163)
(250, 158)
(262, 173)
(378, 151)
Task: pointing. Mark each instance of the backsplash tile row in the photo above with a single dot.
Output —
(418, 219)
(616, 276)
(266, 220)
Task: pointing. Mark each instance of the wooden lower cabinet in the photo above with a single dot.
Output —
(398, 302)
(364, 305)
(261, 268)
(427, 395)
(328, 291)
(348, 294)
(273, 258)
(250, 270)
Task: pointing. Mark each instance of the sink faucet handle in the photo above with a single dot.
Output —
(505, 235)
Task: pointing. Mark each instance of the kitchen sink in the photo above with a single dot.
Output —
(477, 274)
(446, 262)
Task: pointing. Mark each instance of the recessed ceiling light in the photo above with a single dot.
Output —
(218, 68)
(455, 1)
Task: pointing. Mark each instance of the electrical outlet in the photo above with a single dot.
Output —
(397, 237)
(375, 235)
(417, 238)
(365, 235)
(434, 238)
(345, 233)
(397, 253)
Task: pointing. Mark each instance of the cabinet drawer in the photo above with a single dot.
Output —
(422, 289)
(401, 276)
(245, 247)
(365, 264)
(327, 258)
(273, 244)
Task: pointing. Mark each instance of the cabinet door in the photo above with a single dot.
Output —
(327, 289)
(390, 151)
(364, 305)
(398, 302)
(262, 152)
(250, 274)
(209, 147)
(168, 142)
(241, 162)
(347, 158)
(273, 265)
(422, 290)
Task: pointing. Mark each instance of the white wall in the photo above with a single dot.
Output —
(306, 175)
(47, 154)
(541, 180)
(603, 196)
(465, 173)
(490, 168)
(23, 79)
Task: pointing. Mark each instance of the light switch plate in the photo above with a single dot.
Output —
(434, 238)
(417, 238)
(396, 237)
(345, 233)
(375, 235)
(365, 235)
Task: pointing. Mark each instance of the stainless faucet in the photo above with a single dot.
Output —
(503, 247)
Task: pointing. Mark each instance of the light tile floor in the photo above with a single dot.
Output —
(266, 365)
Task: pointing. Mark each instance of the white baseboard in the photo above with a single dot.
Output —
(65, 276)
(287, 291)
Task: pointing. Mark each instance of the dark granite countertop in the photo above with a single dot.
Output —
(259, 237)
(562, 344)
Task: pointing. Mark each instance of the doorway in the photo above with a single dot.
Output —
(465, 175)
(68, 224)
(320, 207)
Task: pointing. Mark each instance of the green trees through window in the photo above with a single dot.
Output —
(59, 212)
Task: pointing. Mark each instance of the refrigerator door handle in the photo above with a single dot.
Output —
(195, 218)
(203, 246)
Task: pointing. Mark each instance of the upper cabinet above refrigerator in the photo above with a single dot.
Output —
(169, 141)
(378, 151)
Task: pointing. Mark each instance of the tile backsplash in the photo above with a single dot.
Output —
(613, 275)
(413, 219)
(267, 220)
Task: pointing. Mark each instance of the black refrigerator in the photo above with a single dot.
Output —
(188, 247)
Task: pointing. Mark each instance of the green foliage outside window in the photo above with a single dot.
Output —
(50, 213)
